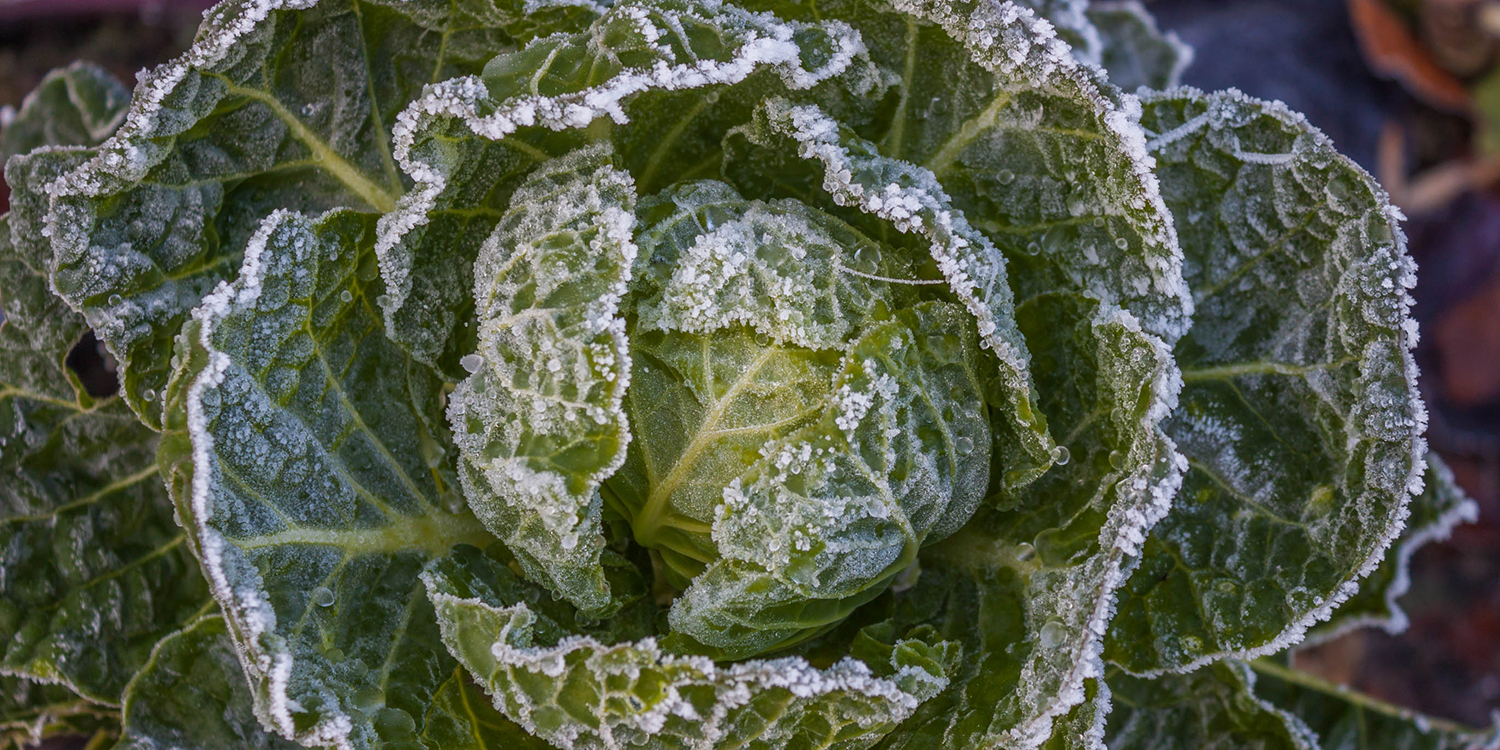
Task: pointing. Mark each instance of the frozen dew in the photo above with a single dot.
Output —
(323, 596)
(1061, 455)
(346, 296)
(471, 362)
(1052, 635)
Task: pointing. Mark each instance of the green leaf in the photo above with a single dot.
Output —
(1299, 415)
(80, 105)
(95, 569)
(539, 423)
(1032, 147)
(599, 689)
(309, 457)
(1441, 506)
(462, 718)
(1214, 707)
(1104, 385)
(277, 105)
(1134, 51)
(1347, 720)
(893, 457)
(31, 712)
(468, 142)
(1082, 728)
(192, 694)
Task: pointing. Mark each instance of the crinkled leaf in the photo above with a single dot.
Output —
(660, 79)
(604, 689)
(94, 569)
(278, 104)
(539, 423)
(1134, 51)
(31, 712)
(1214, 707)
(79, 105)
(893, 456)
(1441, 506)
(192, 694)
(1103, 384)
(1299, 415)
(1347, 720)
(310, 459)
(1031, 146)
(781, 392)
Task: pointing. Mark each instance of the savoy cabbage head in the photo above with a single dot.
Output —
(695, 374)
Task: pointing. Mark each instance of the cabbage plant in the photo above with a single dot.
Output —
(698, 374)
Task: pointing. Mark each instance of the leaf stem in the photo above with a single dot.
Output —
(1365, 701)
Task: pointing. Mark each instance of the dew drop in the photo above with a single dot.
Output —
(1005, 176)
(964, 445)
(1060, 455)
(762, 339)
(1053, 634)
(1098, 222)
(1024, 552)
(369, 699)
(115, 299)
(346, 296)
(148, 395)
(1117, 459)
(1122, 243)
(323, 596)
(1032, 248)
(471, 362)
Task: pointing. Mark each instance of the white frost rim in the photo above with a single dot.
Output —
(767, 43)
(734, 685)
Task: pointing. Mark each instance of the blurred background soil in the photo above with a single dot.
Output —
(1409, 88)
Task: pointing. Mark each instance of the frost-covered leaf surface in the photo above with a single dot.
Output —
(94, 569)
(582, 686)
(310, 458)
(539, 422)
(278, 104)
(80, 105)
(1441, 506)
(1133, 50)
(1299, 414)
(661, 80)
(192, 694)
(1214, 707)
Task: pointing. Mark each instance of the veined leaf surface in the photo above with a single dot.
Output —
(1299, 415)
(309, 458)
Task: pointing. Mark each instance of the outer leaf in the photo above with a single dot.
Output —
(1299, 416)
(80, 105)
(1346, 720)
(1031, 145)
(583, 691)
(1134, 51)
(1441, 506)
(1067, 539)
(192, 694)
(31, 712)
(468, 142)
(92, 569)
(1214, 707)
(278, 104)
(308, 456)
(539, 423)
